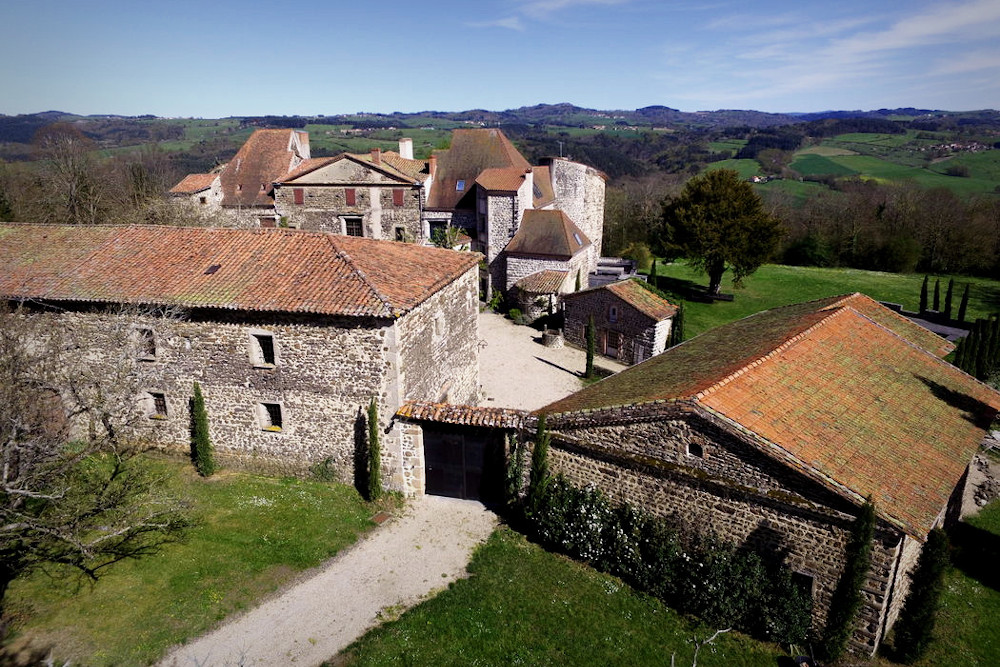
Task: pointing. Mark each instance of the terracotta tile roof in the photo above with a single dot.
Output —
(543, 194)
(636, 295)
(465, 415)
(501, 179)
(472, 151)
(193, 183)
(548, 232)
(543, 282)
(265, 157)
(833, 388)
(413, 169)
(276, 270)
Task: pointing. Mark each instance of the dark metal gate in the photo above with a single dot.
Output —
(464, 462)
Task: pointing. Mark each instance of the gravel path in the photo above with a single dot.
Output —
(517, 371)
(405, 560)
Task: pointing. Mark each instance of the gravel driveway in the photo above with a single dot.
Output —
(404, 561)
(517, 371)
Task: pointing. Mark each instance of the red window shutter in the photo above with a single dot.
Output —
(350, 196)
(297, 193)
(397, 197)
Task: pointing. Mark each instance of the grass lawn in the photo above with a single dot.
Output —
(254, 534)
(525, 606)
(745, 168)
(812, 163)
(776, 285)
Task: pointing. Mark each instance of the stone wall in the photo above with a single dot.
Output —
(325, 206)
(685, 467)
(579, 192)
(642, 337)
(522, 266)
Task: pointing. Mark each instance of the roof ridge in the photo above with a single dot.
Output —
(386, 304)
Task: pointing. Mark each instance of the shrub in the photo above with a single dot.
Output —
(201, 445)
(515, 474)
(516, 315)
(538, 477)
(847, 599)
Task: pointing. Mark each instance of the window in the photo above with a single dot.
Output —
(145, 344)
(400, 234)
(267, 221)
(202, 200)
(271, 418)
(298, 196)
(695, 450)
(460, 186)
(156, 405)
(262, 350)
(352, 227)
(803, 582)
(350, 197)
(397, 196)
(613, 314)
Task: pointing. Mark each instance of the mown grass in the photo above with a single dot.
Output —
(253, 534)
(775, 285)
(525, 606)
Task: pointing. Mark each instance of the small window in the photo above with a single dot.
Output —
(350, 197)
(262, 350)
(239, 187)
(695, 450)
(268, 222)
(804, 583)
(613, 314)
(263, 187)
(157, 405)
(400, 234)
(579, 241)
(146, 344)
(202, 200)
(298, 196)
(397, 196)
(460, 186)
(352, 227)
(271, 417)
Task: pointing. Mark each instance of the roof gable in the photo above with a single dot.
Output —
(549, 233)
(472, 152)
(193, 183)
(635, 295)
(274, 270)
(344, 169)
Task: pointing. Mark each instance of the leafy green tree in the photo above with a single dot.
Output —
(923, 295)
(201, 445)
(374, 454)
(718, 222)
(591, 347)
(915, 626)
(847, 598)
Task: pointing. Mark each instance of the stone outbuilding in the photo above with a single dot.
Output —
(632, 322)
(771, 431)
(290, 333)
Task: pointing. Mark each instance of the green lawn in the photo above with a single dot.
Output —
(811, 164)
(799, 191)
(884, 171)
(776, 285)
(253, 535)
(745, 168)
(525, 606)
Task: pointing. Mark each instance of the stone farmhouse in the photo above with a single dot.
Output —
(481, 184)
(290, 333)
(771, 432)
(632, 322)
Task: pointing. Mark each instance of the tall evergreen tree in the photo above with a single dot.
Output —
(374, 454)
(652, 274)
(923, 295)
(677, 327)
(538, 475)
(915, 626)
(201, 445)
(964, 305)
(947, 297)
(847, 597)
(591, 347)
(937, 295)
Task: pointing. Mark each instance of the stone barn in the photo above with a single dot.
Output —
(290, 334)
(631, 321)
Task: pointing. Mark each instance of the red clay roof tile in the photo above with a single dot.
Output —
(193, 183)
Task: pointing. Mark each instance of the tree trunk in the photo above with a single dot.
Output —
(715, 271)
(6, 576)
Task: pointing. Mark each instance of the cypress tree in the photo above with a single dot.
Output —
(847, 597)
(652, 273)
(937, 295)
(677, 327)
(578, 282)
(960, 350)
(964, 305)
(915, 626)
(972, 354)
(947, 298)
(591, 347)
(201, 445)
(374, 454)
(538, 476)
(923, 295)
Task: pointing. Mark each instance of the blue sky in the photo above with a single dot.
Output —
(213, 59)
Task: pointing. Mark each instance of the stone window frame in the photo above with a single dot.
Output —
(345, 219)
(155, 404)
(694, 450)
(145, 341)
(271, 416)
(262, 355)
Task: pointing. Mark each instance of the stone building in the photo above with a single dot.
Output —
(290, 333)
(377, 195)
(200, 192)
(632, 323)
(771, 431)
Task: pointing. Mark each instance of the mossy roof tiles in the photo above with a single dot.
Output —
(464, 415)
(841, 388)
(274, 270)
(631, 292)
(543, 282)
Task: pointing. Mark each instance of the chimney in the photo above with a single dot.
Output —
(406, 148)
(432, 165)
(376, 156)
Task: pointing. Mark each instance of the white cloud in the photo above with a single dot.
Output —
(511, 23)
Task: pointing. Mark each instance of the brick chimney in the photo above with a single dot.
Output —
(376, 156)
(406, 148)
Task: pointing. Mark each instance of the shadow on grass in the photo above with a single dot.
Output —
(686, 290)
(990, 296)
(976, 553)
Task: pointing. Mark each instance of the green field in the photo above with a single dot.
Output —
(253, 535)
(745, 168)
(798, 191)
(812, 164)
(775, 285)
(824, 150)
(983, 165)
(727, 146)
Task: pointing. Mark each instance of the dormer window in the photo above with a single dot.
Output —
(460, 186)
(578, 240)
